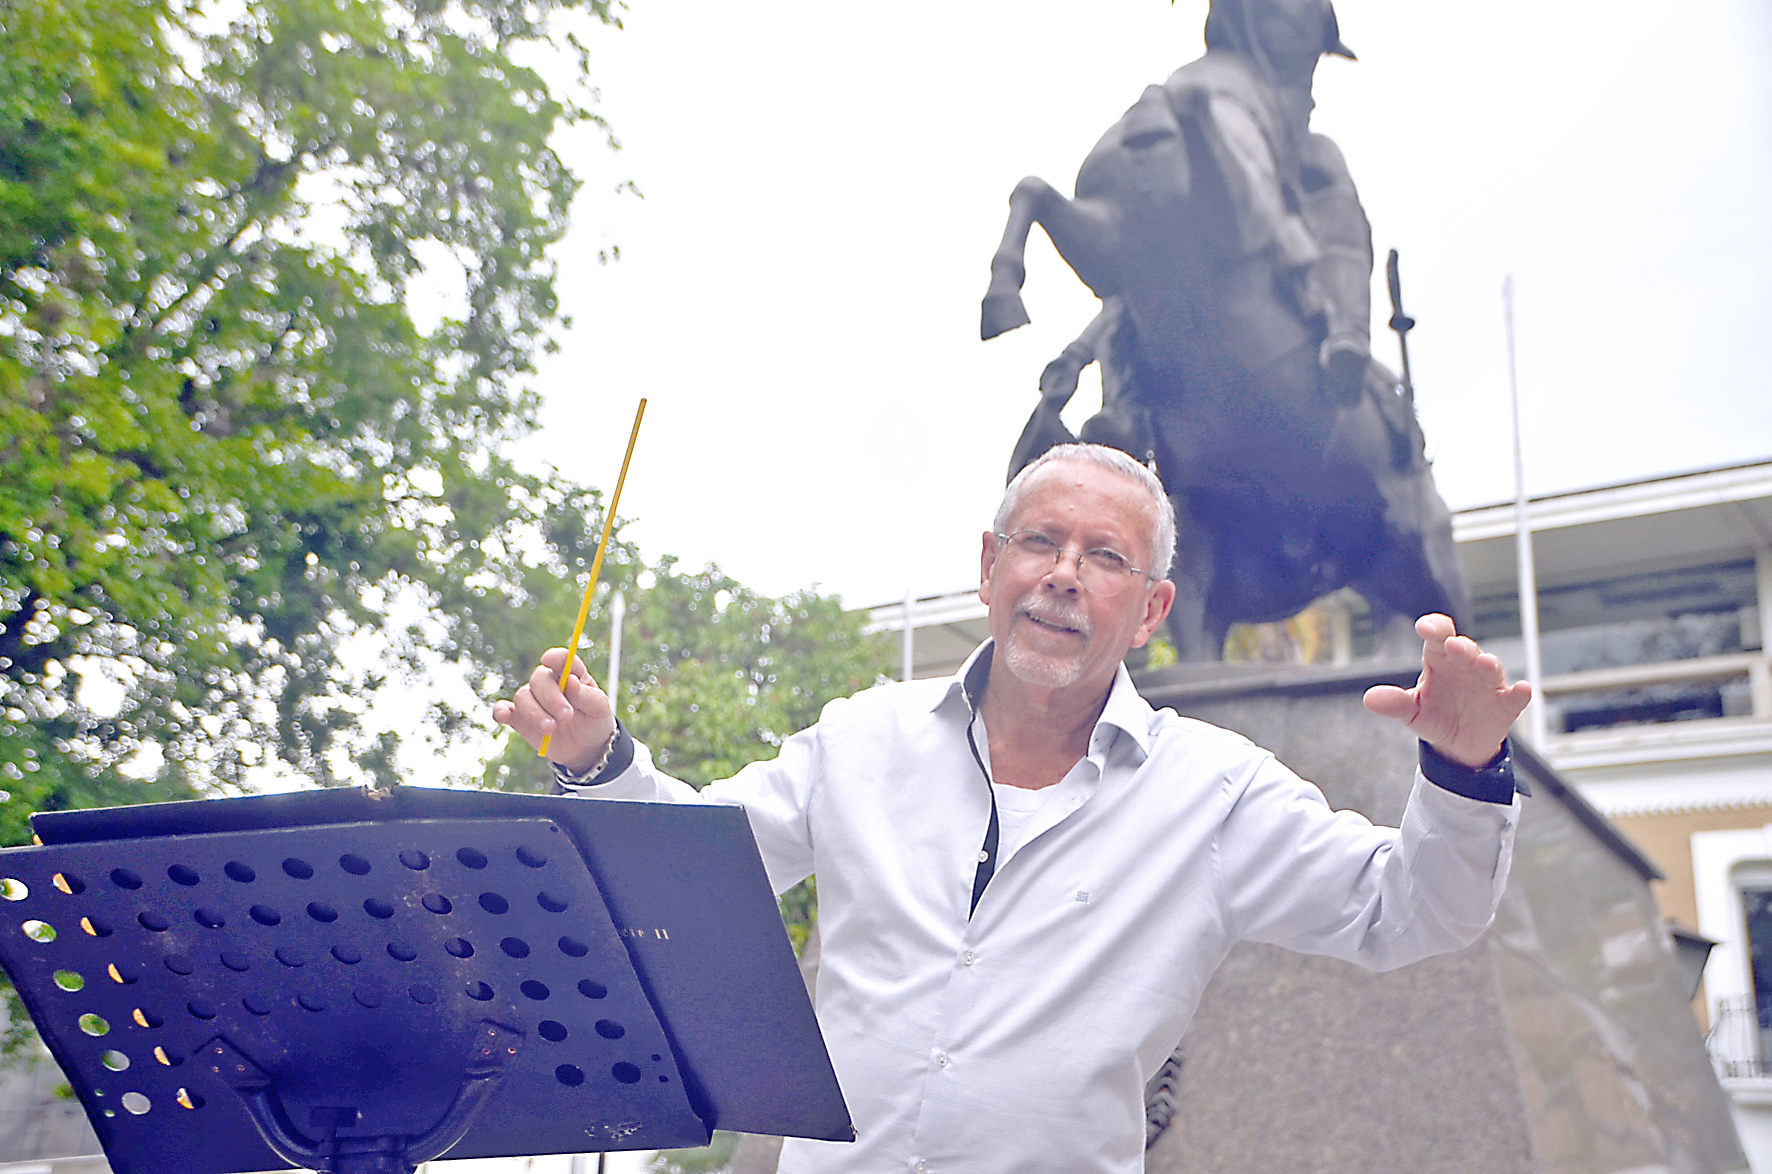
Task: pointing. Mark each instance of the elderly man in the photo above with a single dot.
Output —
(1027, 875)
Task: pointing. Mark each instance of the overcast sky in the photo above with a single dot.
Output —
(825, 182)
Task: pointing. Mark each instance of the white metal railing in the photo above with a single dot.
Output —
(1735, 1039)
(927, 611)
(1755, 666)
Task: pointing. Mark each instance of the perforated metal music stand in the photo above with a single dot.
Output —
(306, 986)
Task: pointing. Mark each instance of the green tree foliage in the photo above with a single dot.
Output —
(709, 1159)
(227, 447)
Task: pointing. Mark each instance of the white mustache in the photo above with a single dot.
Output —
(1048, 612)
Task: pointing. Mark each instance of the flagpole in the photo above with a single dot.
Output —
(618, 612)
(1528, 574)
(909, 644)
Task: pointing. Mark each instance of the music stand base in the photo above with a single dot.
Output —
(494, 1046)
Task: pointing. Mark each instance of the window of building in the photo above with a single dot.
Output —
(1757, 911)
(1740, 1038)
(1644, 619)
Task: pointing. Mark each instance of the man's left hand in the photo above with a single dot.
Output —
(1462, 706)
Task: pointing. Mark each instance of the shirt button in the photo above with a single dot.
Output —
(941, 1061)
(983, 856)
(921, 1168)
(968, 958)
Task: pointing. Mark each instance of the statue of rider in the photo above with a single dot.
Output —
(1297, 197)
(1290, 193)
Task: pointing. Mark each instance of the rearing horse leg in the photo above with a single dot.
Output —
(1003, 308)
(1058, 383)
(1124, 421)
(1121, 423)
(1034, 201)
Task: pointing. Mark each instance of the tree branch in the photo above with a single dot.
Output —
(12, 633)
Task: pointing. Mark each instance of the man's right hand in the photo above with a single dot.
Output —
(579, 719)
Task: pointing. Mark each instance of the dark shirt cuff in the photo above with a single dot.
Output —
(1493, 782)
(620, 757)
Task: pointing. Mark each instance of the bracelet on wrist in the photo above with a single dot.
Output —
(617, 756)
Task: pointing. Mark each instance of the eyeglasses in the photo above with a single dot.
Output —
(1100, 570)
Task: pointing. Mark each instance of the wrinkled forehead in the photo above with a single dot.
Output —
(1088, 495)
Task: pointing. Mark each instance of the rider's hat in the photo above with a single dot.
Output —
(1230, 25)
(1332, 38)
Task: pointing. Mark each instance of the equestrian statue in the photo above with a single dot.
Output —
(1232, 259)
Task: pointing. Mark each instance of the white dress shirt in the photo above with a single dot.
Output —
(1019, 1038)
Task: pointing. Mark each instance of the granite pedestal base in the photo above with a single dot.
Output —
(1562, 1043)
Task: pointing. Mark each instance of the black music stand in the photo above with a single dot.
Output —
(356, 982)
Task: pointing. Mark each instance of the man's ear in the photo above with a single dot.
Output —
(987, 559)
(1156, 609)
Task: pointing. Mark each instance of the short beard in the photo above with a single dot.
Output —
(1041, 671)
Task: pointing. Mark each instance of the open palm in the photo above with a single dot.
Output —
(1462, 705)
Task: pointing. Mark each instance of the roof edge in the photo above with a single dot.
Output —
(1540, 770)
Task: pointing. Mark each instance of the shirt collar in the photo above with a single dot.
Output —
(1125, 709)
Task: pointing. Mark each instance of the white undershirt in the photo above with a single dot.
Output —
(1016, 808)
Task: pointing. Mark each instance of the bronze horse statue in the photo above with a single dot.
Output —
(1232, 258)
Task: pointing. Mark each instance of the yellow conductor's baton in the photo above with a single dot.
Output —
(584, 608)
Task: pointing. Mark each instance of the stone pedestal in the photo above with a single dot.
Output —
(1559, 1044)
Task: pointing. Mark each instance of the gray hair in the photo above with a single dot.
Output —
(1112, 459)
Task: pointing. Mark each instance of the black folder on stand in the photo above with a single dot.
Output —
(360, 980)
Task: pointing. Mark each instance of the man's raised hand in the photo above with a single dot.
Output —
(1462, 706)
(580, 718)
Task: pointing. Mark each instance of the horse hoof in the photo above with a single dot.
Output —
(1059, 381)
(1113, 429)
(1002, 313)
